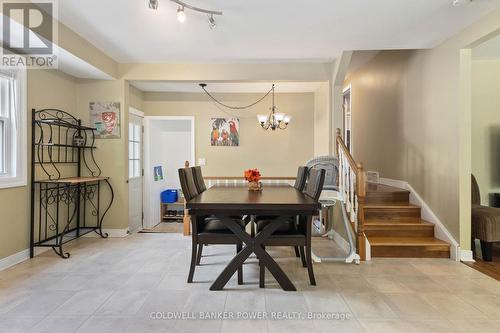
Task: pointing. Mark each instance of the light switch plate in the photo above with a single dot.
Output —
(202, 161)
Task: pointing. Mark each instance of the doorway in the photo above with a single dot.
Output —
(346, 107)
(135, 169)
(168, 143)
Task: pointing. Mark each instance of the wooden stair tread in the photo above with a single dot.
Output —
(406, 241)
(391, 206)
(396, 223)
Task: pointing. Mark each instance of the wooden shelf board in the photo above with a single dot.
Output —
(73, 180)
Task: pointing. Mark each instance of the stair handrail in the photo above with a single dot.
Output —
(352, 188)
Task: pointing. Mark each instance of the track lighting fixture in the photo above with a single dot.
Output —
(181, 14)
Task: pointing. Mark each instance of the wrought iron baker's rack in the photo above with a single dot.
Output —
(66, 181)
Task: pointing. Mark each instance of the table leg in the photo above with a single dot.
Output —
(253, 245)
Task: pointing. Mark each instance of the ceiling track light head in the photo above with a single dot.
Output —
(181, 15)
(153, 4)
(211, 21)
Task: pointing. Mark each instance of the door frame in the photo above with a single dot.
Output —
(140, 114)
(148, 174)
(347, 91)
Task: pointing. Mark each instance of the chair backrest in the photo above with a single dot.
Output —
(300, 181)
(315, 183)
(198, 179)
(187, 183)
(475, 193)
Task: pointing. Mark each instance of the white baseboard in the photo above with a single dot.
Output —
(466, 255)
(23, 255)
(19, 257)
(440, 230)
(393, 182)
(113, 233)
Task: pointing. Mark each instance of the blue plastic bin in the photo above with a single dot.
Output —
(169, 196)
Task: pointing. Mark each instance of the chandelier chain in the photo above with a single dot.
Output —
(202, 85)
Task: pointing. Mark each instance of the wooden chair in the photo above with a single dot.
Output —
(297, 234)
(300, 181)
(300, 184)
(198, 179)
(206, 230)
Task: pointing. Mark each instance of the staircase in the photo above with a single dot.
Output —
(394, 227)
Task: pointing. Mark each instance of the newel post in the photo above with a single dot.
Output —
(361, 193)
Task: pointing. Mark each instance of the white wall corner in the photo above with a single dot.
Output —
(113, 233)
(440, 230)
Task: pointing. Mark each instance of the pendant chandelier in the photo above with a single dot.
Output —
(275, 120)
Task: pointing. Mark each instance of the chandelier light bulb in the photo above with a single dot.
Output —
(287, 119)
(279, 117)
(181, 15)
(262, 118)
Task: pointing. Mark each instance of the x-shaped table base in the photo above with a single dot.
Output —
(253, 245)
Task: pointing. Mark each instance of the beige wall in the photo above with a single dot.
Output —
(45, 89)
(486, 126)
(433, 131)
(322, 123)
(136, 97)
(276, 153)
(111, 154)
(417, 107)
(377, 117)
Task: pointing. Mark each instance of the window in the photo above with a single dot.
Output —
(134, 150)
(12, 128)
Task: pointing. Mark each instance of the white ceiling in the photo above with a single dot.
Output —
(226, 87)
(259, 30)
(490, 49)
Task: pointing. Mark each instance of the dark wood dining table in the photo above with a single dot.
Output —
(223, 201)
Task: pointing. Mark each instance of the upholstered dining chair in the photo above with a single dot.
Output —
(198, 179)
(300, 183)
(297, 234)
(206, 230)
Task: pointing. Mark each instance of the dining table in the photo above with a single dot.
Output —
(226, 200)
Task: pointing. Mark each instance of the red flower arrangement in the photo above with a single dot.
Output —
(252, 175)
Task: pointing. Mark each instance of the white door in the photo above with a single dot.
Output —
(135, 171)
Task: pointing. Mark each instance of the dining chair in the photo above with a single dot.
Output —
(206, 230)
(198, 179)
(297, 234)
(300, 183)
(201, 187)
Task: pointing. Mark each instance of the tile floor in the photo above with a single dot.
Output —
(114, 285)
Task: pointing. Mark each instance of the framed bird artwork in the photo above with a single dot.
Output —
(225, 132)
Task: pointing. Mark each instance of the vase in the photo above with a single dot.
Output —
(254, 186)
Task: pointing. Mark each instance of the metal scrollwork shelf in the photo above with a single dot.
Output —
(67, 188)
